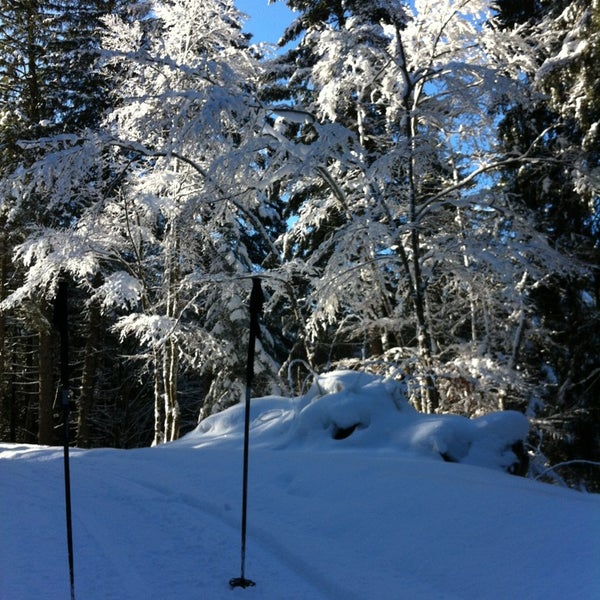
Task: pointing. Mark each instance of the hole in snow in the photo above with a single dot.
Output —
(521, 466)
(448, 457)
(341, 433)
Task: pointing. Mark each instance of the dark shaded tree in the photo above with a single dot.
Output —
(49, 87)
(563, 190)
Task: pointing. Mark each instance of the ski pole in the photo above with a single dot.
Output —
(256, 302)
(61, 323)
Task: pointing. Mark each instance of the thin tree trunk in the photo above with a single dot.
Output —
(171, 350)
(45, 390)
(7, 384)
(467, 264)
(159, 436)
(4, 383)
(429, 395)
(518, 337)
(170, 369)
(88, 377)
(34, 97)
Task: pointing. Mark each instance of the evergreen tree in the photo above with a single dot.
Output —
(49, 89)
(169, 223)
(563, 189)
(27, 77)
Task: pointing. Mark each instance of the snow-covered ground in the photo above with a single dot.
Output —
(376, 515)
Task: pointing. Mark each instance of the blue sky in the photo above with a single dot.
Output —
(267, 21)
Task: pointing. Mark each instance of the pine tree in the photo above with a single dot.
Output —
(562, 187)
(25, 74)
(170, 220)
(49, 89)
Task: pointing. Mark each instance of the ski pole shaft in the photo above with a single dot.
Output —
(256, 300)
(67, 471)
(246, 453)
(61, 321)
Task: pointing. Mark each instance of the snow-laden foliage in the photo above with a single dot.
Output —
(406, 243)
(160, 202)
(359, 173)
(186, 202)
(560, 188)
(568, 75)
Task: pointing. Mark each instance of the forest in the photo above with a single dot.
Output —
(417, 185)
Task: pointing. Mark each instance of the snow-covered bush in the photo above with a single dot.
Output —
(346, 410)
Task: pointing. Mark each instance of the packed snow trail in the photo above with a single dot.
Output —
(172, 496)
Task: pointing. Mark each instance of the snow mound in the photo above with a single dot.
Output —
(357, 410)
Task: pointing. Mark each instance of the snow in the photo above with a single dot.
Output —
(377, 514)
(380, 418)
(120, 289)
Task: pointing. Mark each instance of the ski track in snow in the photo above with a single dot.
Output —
(261, 544)
(164, 523)
(208, 552)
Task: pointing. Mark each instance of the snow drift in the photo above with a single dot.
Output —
(353, 409)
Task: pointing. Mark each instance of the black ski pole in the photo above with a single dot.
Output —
(61, 323)
(256, 302)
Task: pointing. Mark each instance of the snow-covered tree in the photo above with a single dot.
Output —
(408, 248)
(48, 88)
(399, 245)
(170, 224)
(191, 210)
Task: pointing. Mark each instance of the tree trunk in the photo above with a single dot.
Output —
(88, 377)
(159, 436)
(33, 85)
(430, 400)
(170, 353)
(170, 370)
(45, 389)
(4, 383)
(429, 395)
(467, 264)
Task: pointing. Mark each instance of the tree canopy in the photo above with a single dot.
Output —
(416, 184)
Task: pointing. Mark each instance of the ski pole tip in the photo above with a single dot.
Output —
(241, 582)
